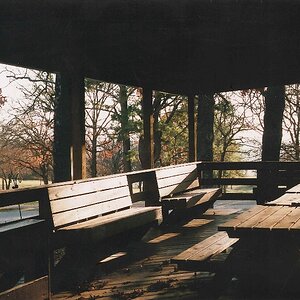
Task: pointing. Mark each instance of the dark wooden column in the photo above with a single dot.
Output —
(62, 130)
(205, 133)
(205, 123)
(191, 128)
(267, 189)
(78, 149)
(148, 143)
(69, 145)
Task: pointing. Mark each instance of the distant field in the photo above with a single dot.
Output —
(29, 183)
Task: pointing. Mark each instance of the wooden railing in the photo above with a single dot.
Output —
(265, 180)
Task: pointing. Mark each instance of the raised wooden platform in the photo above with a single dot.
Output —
(142, 270)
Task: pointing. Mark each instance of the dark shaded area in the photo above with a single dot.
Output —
(183, 47)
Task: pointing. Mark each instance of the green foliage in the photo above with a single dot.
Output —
(175, 137)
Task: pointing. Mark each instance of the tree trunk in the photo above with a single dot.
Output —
(271, 142)
(125, 128)
(274, 108)
(146, 141)
(205, 130)
(157, 134)
(94, 156)
(205, 127)
(62, 131)
(44, 170)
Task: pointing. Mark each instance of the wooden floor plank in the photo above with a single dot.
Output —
(150, 264)
(197, 223)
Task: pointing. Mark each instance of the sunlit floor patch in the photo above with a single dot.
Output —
(163, 237)
(197, 223)
(112, 257)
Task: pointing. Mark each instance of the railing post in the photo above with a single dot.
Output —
(147, 143)
(191, 127)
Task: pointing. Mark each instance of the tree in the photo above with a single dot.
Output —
(174, 134)
(229, 123)
(291, 124)
(99, 108)
(30, 127)
(167, 108)
(2, 98)
(205, 129)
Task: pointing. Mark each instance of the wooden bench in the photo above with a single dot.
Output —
(179, 188)
(91, 210)
(204, 254)
(20, 255)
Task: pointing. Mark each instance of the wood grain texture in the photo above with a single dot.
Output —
(110, 225)
(83, 213)
(255, 220)
(206, 248)
(81, 201)
(233, 223)
(102, 220)
(176, 179)
(88, 187)
(271, 220)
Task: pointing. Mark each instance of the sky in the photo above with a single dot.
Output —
(9, 90)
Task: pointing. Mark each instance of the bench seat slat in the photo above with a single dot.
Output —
(201, 246)
(194, 197)
(80, 188)
(79, 214)
(112, 224)
(92, 198)
(204, 250)
(214, 249)
(113, 217)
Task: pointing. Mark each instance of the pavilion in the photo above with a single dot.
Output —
(186, 47)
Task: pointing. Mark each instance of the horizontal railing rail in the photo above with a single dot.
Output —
(267, 181)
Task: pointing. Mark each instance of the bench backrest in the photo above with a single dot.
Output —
(78, 201)
(176, 179)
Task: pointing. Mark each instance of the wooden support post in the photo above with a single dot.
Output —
(271, 143)
(78, 150)
(62, 130)
(191, 128)
(69, 129)
(148, 141)
(205, 134)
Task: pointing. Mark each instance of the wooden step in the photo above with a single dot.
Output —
(199, 255)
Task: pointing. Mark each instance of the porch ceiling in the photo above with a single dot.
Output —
(182, 46)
